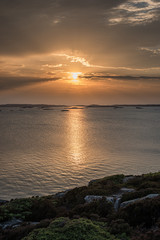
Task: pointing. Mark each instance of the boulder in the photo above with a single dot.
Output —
(61, 194)
(11, 224)
(127, 178)
(91, 198)
(117, 203)
(115, 199)
(150, 196)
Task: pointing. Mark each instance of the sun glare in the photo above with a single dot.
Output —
(75, 76)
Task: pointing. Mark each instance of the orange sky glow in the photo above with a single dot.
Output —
(80, 53)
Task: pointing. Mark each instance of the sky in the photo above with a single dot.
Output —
(80, 51)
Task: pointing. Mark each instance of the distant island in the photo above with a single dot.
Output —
(117, 207)
(43, 106)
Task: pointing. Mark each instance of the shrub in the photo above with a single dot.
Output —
(65, 229)
(18, 208)
(119, 226)
(102, 187)
(74, 196)
(144, 212)
(138, 194)
(20, 232)
(28, 209)
(100, 207)
(151, 180)
(149, 235)
(116, 179)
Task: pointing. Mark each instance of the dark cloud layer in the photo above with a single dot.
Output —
(123, 78)
(37, 26)
(9, 83)
(88, 4)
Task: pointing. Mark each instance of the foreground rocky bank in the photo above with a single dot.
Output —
(116, 207)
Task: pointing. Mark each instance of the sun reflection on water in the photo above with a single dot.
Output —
(76, 136)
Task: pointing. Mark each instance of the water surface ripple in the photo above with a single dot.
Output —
(43, 152)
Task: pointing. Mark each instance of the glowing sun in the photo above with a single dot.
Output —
(75, 77)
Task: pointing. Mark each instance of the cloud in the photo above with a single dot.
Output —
(74, 59)
(136, 12)
(88, 4)
(9, 83)
(153, 50)
(122, 78)
(85, 62)
(39, 26)
(53, 66)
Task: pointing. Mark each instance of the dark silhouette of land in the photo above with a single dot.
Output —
(44, 106)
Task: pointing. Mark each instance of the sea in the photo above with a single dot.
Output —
(45, 150)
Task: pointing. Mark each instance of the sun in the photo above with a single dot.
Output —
(75, 77)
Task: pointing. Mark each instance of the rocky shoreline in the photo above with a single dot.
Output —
(122, 207)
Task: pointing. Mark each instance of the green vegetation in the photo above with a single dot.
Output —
(114, 179)
(28, 209)
(145, 181)
(70, 217)
(105, 186)
(144, 185)
(65, 229)
(101, 208)
(145, 212)
(139, 194)
(119, 226)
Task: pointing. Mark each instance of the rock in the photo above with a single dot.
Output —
(61, 194)
(91, 198)
(12, 223)
(117, 203)
(115, 199)
(127, 178)
(92, 181)
(127, 190)
(150, 196)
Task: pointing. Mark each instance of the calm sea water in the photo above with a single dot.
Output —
(43, 152)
